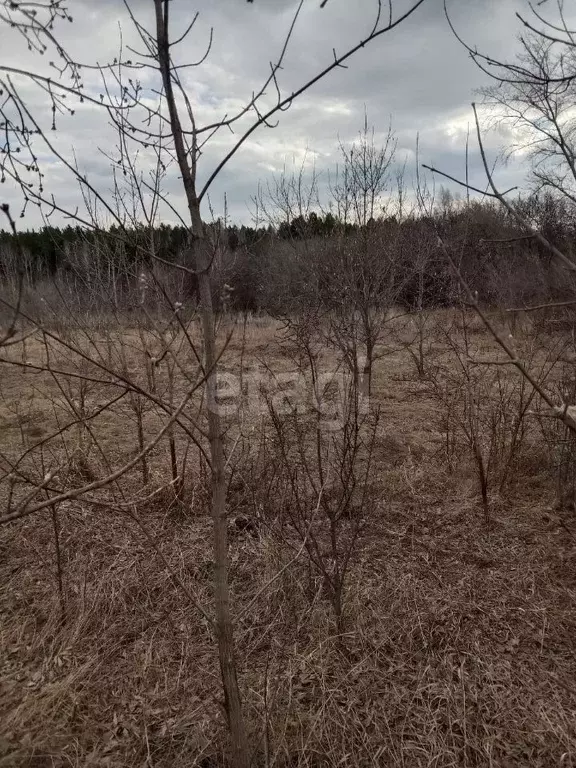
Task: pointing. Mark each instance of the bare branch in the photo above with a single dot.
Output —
(303, 88)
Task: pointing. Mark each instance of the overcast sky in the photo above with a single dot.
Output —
(418, 78)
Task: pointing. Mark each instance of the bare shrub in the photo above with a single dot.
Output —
(484, 408)
(314, 460)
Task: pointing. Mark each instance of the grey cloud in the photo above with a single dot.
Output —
(418, 76)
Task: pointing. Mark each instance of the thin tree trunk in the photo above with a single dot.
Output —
(224, 628)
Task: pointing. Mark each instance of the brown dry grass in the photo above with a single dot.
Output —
(459, 644)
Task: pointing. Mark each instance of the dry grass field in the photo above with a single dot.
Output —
(459, 638)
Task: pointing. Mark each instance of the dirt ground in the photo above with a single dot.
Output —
(460, 633)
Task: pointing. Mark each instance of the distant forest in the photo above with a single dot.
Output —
(312, 258)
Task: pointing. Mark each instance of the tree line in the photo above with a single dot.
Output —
(313, 258)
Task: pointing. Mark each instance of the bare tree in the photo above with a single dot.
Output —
(161, 122)
(533, 92)
(369, 260)
(532, 97)
(354, 270)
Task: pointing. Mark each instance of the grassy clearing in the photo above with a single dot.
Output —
(458, 647)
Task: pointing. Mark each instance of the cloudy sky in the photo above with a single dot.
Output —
(417, 77)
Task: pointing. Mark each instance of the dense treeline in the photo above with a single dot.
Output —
(316, 258)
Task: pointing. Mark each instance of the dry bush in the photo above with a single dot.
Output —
(560, 441)
(486, 409)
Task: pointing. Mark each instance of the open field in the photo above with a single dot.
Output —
(458, 639)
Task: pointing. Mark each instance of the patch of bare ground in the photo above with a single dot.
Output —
(459, 638)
